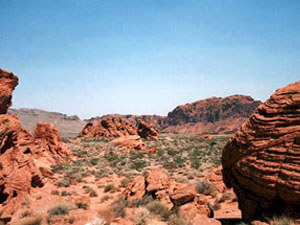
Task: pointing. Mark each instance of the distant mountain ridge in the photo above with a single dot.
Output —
(68, 126)
(214, 115)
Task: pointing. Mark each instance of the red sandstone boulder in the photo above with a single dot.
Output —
(132, 142)
(147, 131)
(108, 127)
(262, 160)
(50, 140)
(8, 82)
(136, 189)
(157, 180)
(195, 208)
(184, 194)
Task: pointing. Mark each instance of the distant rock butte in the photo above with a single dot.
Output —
(24, 159)
(210, 116)
(262, 160)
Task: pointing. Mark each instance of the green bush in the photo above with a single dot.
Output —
(158, 208)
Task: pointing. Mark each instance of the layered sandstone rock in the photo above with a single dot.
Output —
(24, 159)
(147, 131)
(50, 140)
(18, 172)
(262, 161)
(8, 82)
(157, 180)
(215, 178)
(184, 194)
(108, 127)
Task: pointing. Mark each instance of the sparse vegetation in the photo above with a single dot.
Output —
(158, 208)
(141, 215)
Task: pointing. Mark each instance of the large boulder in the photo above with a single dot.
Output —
(8, 82)
(147, 131)
(262, 160)
(157, 180)
(184, 194)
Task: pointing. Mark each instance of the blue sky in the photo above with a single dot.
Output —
(94, 57)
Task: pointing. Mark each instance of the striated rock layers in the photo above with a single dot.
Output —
(24, 159)
(210, 116)
(109, 127)
(262, 160)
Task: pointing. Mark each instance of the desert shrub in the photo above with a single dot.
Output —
(204, 188)
(125, 182)
(282, 220)
(26, 214)
(105, 198)
(109, 187)
(82, 205)
(63, 183)
(71, 220)
(225, 197)
(119, 207)
(93, 193)
(55, 192)
(140, 202)
(177, 220)
(32, 221)
(59, 210)
(66, 193)
(94, 161)
(138, 164)
(216, 206)
(158, 208)
(141, 215)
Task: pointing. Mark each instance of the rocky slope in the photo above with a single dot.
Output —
(212, 115)
(68, 126)
(262, 161)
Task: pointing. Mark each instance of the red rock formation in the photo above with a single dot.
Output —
(147, 131)
(184, 194)
(136, 189)
(23, 159)
(157, 180)
(215, 178)
(50, 139)
(210, 116)
(261, 161)
(18, 172)
(108, 127)
(132, 142)
(8, 82)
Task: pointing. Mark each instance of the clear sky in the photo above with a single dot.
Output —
(94, 57)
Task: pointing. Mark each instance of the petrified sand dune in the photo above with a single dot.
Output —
(147, 131)
(262, 160)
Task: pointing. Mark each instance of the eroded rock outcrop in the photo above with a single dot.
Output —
(262, 160)
(50, 140)
(8, 82)
(24, 159)
(147, 131)
(108, 127)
